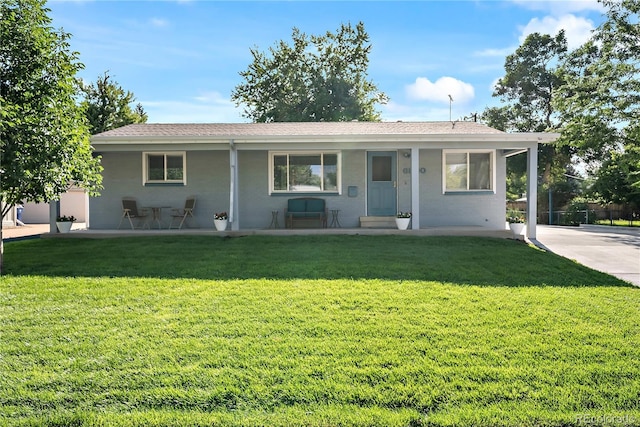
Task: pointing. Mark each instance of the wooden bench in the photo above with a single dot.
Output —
(306, 210)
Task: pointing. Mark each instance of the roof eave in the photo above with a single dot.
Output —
(539, 137)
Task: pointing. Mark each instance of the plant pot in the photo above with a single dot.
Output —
(403, 223)
(221, 224)
(64, 226)
(517, 228)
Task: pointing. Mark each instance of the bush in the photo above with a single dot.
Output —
(578, 212)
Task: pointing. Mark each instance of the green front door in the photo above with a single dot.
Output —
(381, 183)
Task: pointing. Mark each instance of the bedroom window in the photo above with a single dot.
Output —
(161, 168)
(304, 172)
(468, 171)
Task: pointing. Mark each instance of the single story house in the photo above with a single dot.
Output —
(444, 173)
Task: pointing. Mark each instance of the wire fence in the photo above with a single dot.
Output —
(591, 216)
(619, 217)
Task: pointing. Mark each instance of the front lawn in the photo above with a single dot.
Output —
(312, 330)
(619, 222)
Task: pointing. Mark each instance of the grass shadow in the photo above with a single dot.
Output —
(462, 260)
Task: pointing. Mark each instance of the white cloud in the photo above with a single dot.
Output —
(212, 97)
(561, 7)
(208, 107)
(424, 89)
(577, 30)
(393, 112)
(159, 22)
(495, 52)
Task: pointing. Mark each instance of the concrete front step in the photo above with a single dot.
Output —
(378, 222)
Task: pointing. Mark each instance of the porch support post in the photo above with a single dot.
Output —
(415, 188)
(532, 191)
(233, 187)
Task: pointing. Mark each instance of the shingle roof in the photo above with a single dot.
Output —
(297, 129)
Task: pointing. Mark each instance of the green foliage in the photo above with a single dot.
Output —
(515, 217)
(578, 212)
(601, 101)
(601, 76)
(107, 106)
(529, 84)
(516, 177)
(401, 331)
(45, 143)
(316, 78)
(528, 87)
(618, 179)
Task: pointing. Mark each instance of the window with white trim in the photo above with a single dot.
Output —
(304, 172)
(471, 170)
(164, 168)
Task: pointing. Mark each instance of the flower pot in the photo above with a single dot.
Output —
(221, 224)
(403, 223)
(517, 228)
(64, 226)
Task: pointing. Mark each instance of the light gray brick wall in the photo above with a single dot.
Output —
(466, 209)
(207, 179)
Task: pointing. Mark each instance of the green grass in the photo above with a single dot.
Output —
(619, 222)
(313, 330)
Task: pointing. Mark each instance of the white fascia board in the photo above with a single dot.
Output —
(274, 142)
(146, 144)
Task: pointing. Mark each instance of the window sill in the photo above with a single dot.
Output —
(164, 184)
(470, 193)
(305, 194)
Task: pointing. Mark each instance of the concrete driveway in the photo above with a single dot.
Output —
(612, 250)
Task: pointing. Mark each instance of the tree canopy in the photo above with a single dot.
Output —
(592, 95)
(530, 82)
(527, 89)
(108, 106)
(315, 78)
(600, 102)
(43, 137)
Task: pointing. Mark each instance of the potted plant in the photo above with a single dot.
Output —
(64, 223)
(402, 220)
(516, 222)
(220, 220)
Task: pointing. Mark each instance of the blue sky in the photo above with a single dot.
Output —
(181, 59)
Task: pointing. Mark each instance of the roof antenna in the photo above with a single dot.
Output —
(450, 102)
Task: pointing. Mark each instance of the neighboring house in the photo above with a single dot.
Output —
(73, 202)
(445, 173)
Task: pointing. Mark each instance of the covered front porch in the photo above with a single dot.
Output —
(449, 176)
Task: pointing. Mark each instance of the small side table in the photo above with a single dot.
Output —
(335, 222)
(274, 219)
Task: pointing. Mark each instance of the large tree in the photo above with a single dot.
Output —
(530, 82)
(527, 89)
(600, 102)
(316, 78)
(44, 141)
(108, 106)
